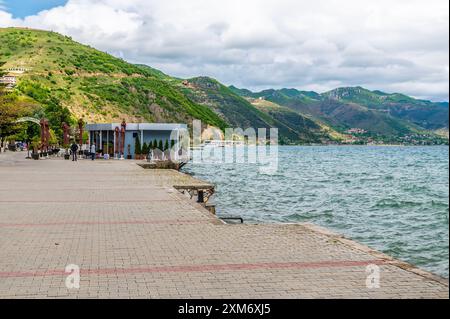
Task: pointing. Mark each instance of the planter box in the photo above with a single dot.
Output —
(35, 156)
(66, 156)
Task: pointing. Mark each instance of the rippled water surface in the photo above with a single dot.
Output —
(395, 199)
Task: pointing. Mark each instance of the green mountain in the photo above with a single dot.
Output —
(70, 81)
(65, 80)
(389, 115)
(94, 85)
(426, 114)
(239, 112)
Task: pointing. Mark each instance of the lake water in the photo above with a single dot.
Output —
(394, 199)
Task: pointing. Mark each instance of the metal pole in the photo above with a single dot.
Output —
(115, 142)
(122, 143)
(101, 141)
(107, 142)
(177, 155)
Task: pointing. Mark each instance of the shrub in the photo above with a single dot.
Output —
(137, 146)
(145, 148)
(69, 72)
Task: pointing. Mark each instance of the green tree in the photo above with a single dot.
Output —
(11, 108)
(160, 145)
(53, 110)
(36, 144)
(137, 146)
(53, 140)
(26, 131)
(85, 136)
(145, 148)
(155, 144)
(166, 145)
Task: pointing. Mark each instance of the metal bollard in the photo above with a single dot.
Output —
(201, 197)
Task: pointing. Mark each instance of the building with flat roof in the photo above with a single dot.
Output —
(119, 139)
(8, 79)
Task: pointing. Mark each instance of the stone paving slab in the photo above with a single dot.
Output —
(134, 236)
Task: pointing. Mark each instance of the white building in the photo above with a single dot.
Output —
(8, 80)
(105, 138)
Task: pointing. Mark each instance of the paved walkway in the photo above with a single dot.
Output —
(133, 235)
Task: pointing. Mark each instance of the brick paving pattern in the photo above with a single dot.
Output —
(134, 236)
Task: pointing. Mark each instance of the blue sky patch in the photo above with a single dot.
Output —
(24, 8)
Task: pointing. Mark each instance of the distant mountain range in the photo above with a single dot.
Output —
(375, 111)
(62, 74)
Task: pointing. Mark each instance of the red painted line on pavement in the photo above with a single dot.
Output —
(200, 268)
(125, 222)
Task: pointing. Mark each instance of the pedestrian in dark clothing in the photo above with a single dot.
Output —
(74, 149)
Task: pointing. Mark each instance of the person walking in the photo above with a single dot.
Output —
(93, 151)
(74, 149)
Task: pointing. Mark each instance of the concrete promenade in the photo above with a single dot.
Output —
(134, 236)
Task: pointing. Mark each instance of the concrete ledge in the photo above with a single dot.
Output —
(160, 165)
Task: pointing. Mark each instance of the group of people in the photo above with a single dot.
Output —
(6, 146)
(74, 150)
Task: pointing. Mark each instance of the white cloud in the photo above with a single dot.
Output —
(6, 19)
(384, 44)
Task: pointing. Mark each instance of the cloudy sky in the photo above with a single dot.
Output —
(392, 45)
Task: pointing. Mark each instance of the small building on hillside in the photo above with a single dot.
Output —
(112, 138)
(17, 70)
(9, 80)
(356, 131)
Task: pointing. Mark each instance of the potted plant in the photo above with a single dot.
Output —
(129, 152)
(35, 145)
(145, 150)
(66, 153)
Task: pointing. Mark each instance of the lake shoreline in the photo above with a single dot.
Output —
(397, 192)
